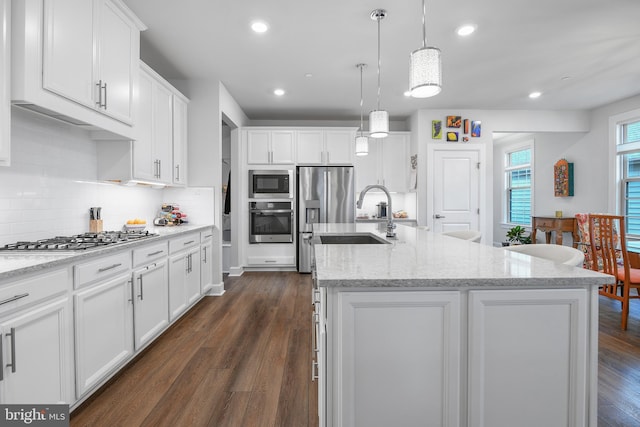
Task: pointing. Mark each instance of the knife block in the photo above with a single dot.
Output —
(95, 225)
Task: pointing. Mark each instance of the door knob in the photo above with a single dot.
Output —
(438, 216)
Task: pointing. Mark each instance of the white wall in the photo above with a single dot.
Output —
(52, 182)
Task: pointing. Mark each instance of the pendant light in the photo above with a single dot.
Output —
(378, 119)
(425, 74)
(362, 141)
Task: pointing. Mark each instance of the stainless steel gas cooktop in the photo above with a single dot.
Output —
(79, 242)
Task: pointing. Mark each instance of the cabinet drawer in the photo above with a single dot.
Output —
(271, 260)
(101, 268)
(149, 253)
(545, 223)
(180, 243)
(24, 292)
(206, 235)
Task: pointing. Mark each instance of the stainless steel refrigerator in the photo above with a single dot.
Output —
(325, 194)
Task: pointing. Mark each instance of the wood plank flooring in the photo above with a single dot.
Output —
(244, 360)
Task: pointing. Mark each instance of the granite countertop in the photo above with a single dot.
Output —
(14, 263)
(420, 258)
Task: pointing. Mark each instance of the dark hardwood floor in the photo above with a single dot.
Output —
(244, 359)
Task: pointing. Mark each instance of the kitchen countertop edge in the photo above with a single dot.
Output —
(31, 262)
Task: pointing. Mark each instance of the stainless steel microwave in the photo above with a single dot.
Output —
(271, 184)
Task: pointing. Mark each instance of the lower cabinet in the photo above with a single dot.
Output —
(496, 358)
(184, 279)
(150, 302)
(36, 355)
(103, 330)
(206, 262)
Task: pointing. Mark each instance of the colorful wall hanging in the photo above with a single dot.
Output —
(465, 126)
(454, 121)
(452, 136)
(563, 178)
(476, 128)
(436, 129)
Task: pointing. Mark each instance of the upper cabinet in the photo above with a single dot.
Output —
(325, 147)
(77, 61)
(388, 163)
(158, 152)
(270, 147)
(5, 108)
(180, 137)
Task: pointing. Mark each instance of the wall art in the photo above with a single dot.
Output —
(452, 136)
(563, 178)
(465, 139)
(454, 121)
(436, 129)
(465, 126)
(476, 128)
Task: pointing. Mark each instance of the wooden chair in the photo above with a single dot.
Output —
(609, 255)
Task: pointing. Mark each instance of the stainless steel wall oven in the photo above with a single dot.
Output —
(271, 222)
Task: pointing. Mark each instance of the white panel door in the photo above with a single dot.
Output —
(144, 166)
(151, 305)
(456, 186)
(410, 380)
(163, 132)
(339, 147)
(68, 47)
(528, 358)
(310, 146)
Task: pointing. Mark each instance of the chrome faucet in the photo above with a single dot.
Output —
(390, 224)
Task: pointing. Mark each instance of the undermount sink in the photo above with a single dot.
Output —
(351, 239)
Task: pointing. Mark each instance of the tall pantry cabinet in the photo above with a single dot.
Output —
(5, 81)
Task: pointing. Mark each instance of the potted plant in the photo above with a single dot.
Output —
(516, 236)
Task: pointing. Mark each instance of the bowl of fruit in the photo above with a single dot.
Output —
(136, 224)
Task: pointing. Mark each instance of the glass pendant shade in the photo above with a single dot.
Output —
(425, 77)
(362, 145)
(378, 124)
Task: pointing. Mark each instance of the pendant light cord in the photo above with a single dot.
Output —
(379, 18)
(361, 66)
(424, 24)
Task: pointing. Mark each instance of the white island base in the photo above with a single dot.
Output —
(511, 341)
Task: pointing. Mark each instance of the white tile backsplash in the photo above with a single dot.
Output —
(52, 183)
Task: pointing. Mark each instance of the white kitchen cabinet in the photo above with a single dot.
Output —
(159, 152)
(529, 346)
(77, 61)
(152, 149)
(325, 147)
(35, 314)
(37, 355)
(265, 146)
(184, 273)
(151, 308)
(5, 81)
(103, 330)
(395, 358)
(388, 163)
(206, 261)
(180, 139)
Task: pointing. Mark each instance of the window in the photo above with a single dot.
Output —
(629, 164)
(518, 178)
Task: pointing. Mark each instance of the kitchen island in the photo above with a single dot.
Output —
(432, 330)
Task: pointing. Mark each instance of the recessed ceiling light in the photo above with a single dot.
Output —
(308, 75)
(465, 30)
(564, 78)
(278, 92)
(534, 95)
(259, 26)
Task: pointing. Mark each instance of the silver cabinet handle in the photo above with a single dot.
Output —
(102, 270)
(186, 260)
(13, 298)
(130, 282)
(177, 172)
(99, 102)
(159, 168)
(13, 350)
(205, 254)
(438, 216)
(314, 370)
(189, 242)
(155, 253)
(269, 260)
(141, 296)
(105, 96)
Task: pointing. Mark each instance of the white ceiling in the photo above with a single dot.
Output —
(519, 46)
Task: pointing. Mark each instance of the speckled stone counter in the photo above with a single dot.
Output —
(419, 258)
(14, 263)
